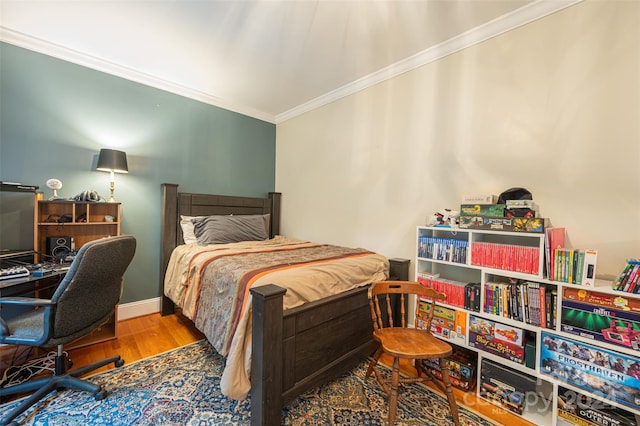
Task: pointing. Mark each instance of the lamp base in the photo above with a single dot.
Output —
(112, 187)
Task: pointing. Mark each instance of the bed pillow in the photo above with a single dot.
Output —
(229, 229)
(188, 234)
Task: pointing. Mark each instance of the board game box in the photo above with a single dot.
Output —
(576, 409)
(447, 323)
(599, 371)
(513, 224)
(601, 324)
(491, 210)
(611, 301)
(462, 368)
(601, 317)
(497, 338)
(505, 387)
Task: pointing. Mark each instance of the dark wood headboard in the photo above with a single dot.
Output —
(175, 204)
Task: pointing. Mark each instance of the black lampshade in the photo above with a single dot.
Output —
(112, 160)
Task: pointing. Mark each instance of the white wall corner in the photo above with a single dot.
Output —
(139, 308)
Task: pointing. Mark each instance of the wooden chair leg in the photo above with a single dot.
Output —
(449, 391)
(393, 394)
(373, 363)
(417, 363)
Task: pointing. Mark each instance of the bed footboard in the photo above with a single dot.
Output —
(301, 348)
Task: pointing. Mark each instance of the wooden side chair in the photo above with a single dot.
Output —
(399, 341)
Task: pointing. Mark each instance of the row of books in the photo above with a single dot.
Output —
(445, 249)
(453, 289)
(629, 279)
(567, 265)
(530, 302)
(506, 257)
(574, 266)
(463, 295)
(553, 239)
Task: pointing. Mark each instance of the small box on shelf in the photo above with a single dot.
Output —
(521, 204)
(589, 268)
(472, 297)
(480, 199)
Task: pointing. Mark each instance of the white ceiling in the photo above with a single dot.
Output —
(268, 59)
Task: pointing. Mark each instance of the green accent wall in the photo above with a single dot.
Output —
(55, 116)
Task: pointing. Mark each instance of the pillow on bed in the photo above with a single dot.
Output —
(229, 229)
(188, 234)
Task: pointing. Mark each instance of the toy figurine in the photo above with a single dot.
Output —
(445, 217)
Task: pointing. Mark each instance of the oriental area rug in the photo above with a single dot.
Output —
(182, 387)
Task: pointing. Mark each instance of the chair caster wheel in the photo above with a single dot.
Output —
(119, 363)
(101, 395)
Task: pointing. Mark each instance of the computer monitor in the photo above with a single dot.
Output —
(17, 212)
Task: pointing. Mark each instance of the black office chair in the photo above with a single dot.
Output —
(84, 300)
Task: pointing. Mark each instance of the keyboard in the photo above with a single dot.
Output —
(13, 272)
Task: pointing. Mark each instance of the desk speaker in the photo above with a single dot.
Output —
(58, 247)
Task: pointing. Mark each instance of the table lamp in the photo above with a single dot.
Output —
(113, 161)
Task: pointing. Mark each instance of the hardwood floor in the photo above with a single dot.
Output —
(149, 335)
(140, 338)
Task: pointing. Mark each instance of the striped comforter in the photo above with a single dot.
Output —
(211, 284)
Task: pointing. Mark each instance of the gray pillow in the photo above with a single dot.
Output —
(229, 229)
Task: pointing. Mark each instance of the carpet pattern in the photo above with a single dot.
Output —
(182, 387)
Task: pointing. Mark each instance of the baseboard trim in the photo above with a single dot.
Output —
(139, 308)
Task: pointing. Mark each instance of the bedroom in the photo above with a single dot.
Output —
(552, 106)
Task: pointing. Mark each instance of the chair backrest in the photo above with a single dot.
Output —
(393, 312)
(92, 287)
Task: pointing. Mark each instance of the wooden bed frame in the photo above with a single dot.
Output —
(293, 350)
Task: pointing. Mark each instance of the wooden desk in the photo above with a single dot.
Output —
(9, 286)
(28, 287)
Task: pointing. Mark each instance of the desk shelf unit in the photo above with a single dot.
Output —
(446, 267)
(87, 221)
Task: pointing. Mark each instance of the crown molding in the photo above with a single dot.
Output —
(524, 15)
(508, 22)
(54, 50)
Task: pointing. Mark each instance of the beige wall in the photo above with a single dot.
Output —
(553, 106)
